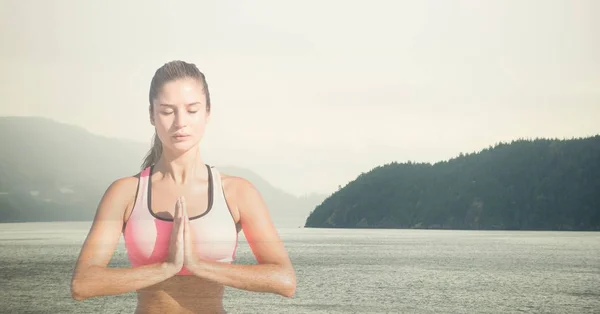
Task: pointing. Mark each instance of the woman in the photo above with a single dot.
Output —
(180, 218)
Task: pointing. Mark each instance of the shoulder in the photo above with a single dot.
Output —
(237, 186)
(243, 194)
(124, 186)
(236, 183)
(121, 194)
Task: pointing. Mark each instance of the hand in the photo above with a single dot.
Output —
(189, 259)
(175, 259)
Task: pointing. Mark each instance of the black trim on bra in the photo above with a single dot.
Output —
(210, 196)
(238, 226)
(137, 192)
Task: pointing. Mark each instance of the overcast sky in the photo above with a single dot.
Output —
(309, 94)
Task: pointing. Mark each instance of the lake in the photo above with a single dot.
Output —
(344, 271)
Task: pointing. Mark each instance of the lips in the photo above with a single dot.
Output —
(181, 136)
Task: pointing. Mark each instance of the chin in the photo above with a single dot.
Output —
(183, 146)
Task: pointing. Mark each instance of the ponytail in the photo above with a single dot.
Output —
(154, 153)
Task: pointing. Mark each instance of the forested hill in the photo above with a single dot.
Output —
(541, 184)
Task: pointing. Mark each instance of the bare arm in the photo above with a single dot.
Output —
(91, 276)
(274, 272)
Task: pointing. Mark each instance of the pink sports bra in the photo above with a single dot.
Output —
(147, 235)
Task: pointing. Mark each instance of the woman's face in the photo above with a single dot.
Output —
(179, 114)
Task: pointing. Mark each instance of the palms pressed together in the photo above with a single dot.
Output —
(181, 250)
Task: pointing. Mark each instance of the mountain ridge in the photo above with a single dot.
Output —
(55, 171)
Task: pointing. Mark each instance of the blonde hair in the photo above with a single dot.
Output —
(170, 71)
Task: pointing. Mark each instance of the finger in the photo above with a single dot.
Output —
(181, 220)
(175, 219)
(185, 233)
(187, 238)
(177, 210)
(181, 211)
(184, 213)
(186, 224)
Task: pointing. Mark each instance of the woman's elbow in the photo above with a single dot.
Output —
(79, 286)
(289, 291)
(77, 291)
(289, 284)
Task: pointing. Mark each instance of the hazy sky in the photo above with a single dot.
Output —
(309, 94)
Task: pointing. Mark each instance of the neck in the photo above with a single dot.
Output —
(182, 168)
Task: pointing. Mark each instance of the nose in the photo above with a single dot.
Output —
(180, 118)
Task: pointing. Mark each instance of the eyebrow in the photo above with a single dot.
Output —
(190, 104)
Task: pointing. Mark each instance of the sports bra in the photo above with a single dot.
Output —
(147, 235)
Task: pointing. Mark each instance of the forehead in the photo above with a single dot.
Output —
(182, 91)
